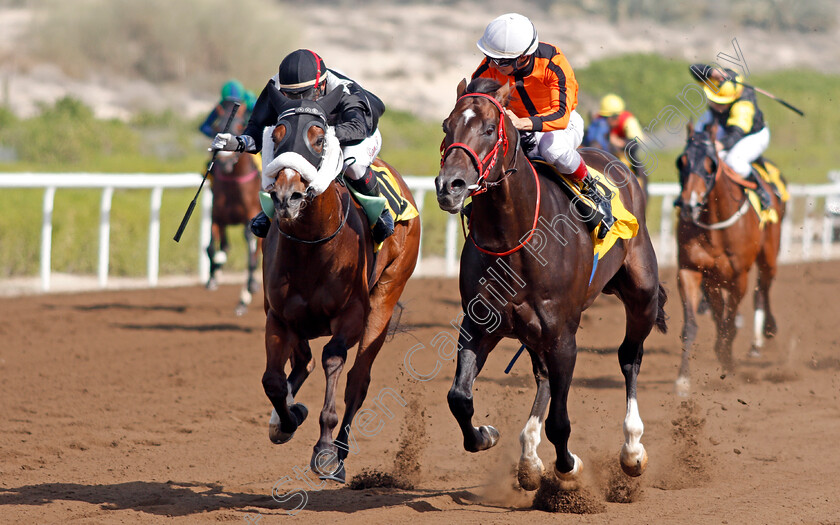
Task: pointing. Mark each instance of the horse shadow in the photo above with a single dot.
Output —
(174, 499)
(172, 327)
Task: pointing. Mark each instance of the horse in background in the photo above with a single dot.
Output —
(719, 238)
(235, 184)
(549, 284)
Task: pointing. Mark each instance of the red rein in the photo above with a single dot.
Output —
(484, 170)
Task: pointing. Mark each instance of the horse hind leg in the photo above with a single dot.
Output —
(561, 365)
(213, 256)
(531, 468)
(764, 324)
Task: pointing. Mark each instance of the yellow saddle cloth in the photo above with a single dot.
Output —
(400, 207)
(772, 176)
(626, 225)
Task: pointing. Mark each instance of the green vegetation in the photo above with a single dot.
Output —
(195, 41)
(66, 137)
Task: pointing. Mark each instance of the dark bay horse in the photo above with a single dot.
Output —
(235, 184)
(322, 278)
(719, 238)
(537, 294)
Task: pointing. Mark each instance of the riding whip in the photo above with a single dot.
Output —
(774, 97)
(191, 207)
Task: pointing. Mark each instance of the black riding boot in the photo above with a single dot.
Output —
(602, 203)
(260, 225)
(384, 225)
(761, 190)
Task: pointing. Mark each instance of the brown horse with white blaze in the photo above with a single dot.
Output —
(321, 277)
(719, 238)
(549, 284)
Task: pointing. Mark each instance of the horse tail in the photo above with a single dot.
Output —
(661, 317)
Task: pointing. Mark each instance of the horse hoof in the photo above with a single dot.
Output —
(530, 473)
(212, 285)
(339, 476)
(633, 464)
(489, 434)
(682, 386)
(277, 436)
(569, 480)
(300, 411)
(754, 352)
(240, 310)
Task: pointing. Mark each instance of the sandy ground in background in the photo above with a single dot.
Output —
(147, 407)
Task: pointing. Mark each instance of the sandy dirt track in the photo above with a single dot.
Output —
(147, 407)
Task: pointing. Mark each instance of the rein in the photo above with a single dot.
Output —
(345, 205)
(482, 185)
(720, 225)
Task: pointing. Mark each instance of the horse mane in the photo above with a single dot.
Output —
(483, 85)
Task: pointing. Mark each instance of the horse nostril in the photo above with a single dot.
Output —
(296, 196)
(458, 184)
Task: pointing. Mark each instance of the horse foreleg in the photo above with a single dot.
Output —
(474, 345)
(302, 366)
(689, 285)
(287, 415)
(561, 365)
(531, 467)
(727, 327)
(347, 331)
(212, 284)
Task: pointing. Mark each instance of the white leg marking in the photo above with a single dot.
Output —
(758, 328)
(275, 418)
(633, 428)
(220, 257)
(682, 386)
(530, 439)
(245, 296)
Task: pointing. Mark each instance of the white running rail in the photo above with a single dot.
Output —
(799, 231)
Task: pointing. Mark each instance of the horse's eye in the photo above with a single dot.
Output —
(491, 130)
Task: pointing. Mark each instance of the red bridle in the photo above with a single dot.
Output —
(483, 170)
(491, 158)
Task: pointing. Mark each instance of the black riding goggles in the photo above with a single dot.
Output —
(503, 62)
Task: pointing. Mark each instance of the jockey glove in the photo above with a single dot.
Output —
(227, 142)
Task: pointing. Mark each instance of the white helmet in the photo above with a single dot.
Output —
(509, 36)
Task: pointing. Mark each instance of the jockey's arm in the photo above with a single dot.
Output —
(739, 123)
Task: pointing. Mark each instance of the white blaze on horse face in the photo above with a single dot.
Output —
(694, 199)
(468, 114)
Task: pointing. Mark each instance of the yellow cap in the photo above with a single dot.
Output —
(611, 105)
(726, 92)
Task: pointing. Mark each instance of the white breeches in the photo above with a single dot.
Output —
(560, 147)
(746, 150)
(361, 155)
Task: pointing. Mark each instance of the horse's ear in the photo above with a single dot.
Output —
(689, 129)
(503, 94)
(712, 129)
(462, 87)
(277, 100)
(331, 100)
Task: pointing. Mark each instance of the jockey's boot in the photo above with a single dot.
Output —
(368, 185)
(260, 225)
(589, 189)
(760, 189)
